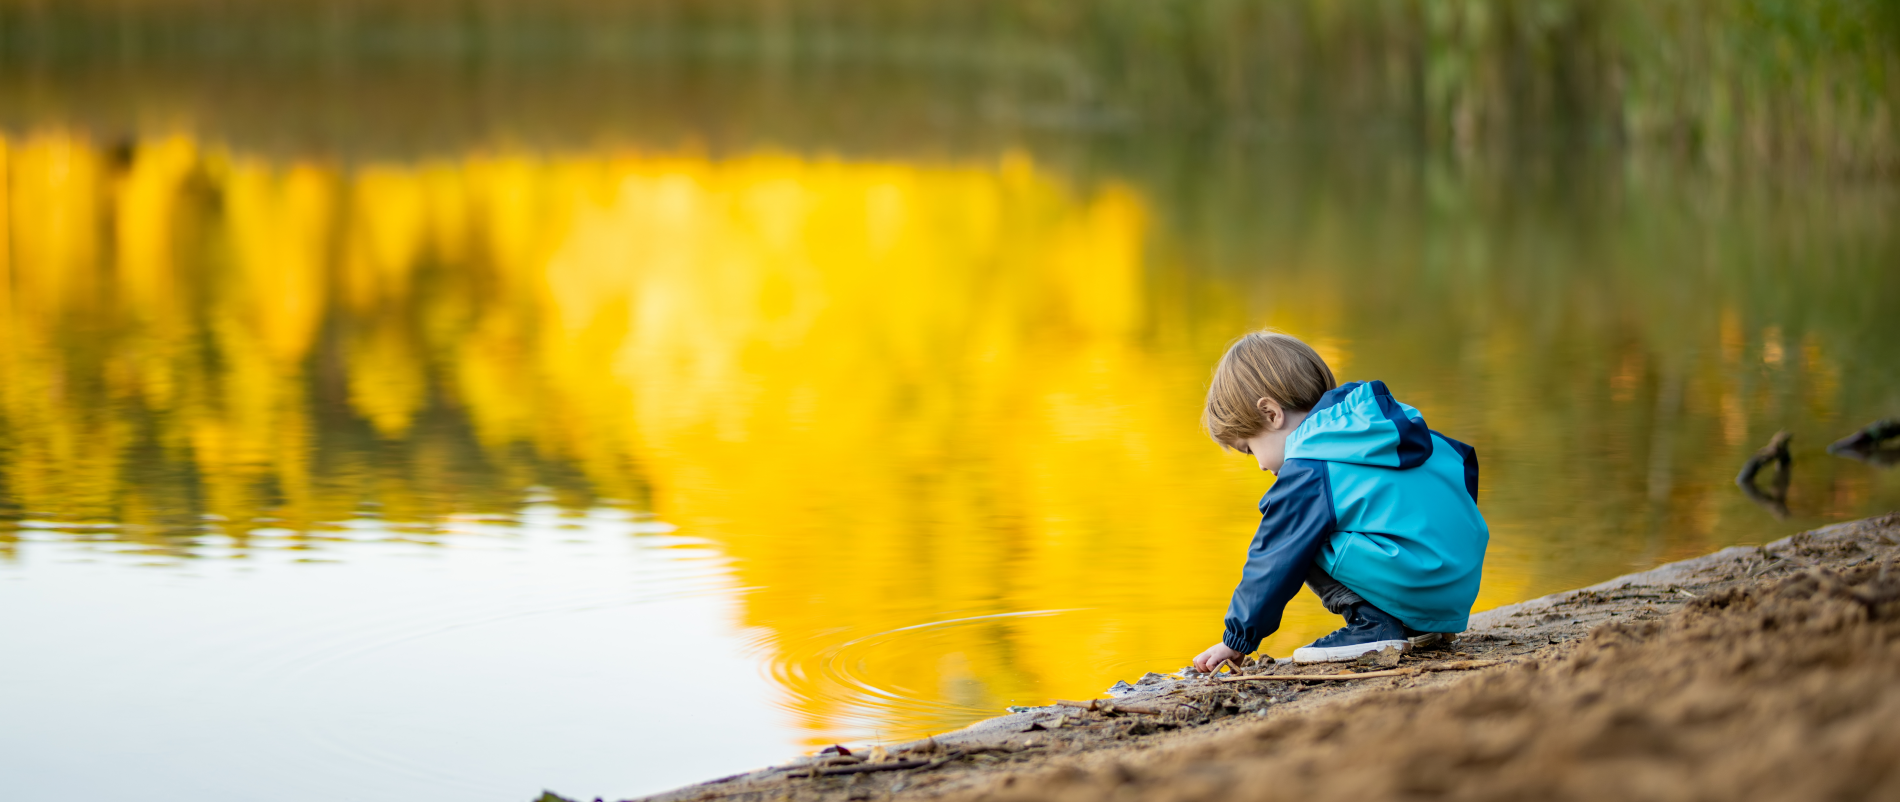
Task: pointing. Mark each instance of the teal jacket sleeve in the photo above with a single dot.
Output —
(1296, 517)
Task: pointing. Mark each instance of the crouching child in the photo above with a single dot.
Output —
(1372, 510)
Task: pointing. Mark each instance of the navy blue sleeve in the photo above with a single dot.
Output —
(1296, 516)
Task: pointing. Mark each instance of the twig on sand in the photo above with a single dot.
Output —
(1396, 672)
(1109, 706)
(895, 765)
(978, 748)
(1461, 665)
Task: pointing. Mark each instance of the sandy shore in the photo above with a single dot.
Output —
(1752, 673)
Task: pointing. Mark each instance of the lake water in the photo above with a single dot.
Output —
(463, 472)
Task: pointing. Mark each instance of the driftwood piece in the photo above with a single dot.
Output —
(1775, 499)
(1874, 444)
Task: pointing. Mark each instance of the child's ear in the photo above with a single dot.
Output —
(1270, 412)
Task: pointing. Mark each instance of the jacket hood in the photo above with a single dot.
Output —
(1361, 423)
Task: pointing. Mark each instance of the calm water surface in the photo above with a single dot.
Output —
(608, 469)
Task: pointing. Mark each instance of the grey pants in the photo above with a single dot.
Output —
(1338, 598)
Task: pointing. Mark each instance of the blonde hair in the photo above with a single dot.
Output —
(1262, 364)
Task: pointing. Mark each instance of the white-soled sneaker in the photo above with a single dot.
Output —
(1345, 652)
(1368, 629)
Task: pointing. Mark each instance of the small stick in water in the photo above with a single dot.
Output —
(1775, 499)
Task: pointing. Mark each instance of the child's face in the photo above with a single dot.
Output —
(1268, 448)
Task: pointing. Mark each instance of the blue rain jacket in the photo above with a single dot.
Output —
(1386, 505)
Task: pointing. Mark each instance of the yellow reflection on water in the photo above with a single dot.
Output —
(923, 406)
(934, 412)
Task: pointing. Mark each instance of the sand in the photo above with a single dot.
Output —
(1764, 673)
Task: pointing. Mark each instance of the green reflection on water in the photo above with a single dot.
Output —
(940, 411)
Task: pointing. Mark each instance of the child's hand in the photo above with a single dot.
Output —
(1209, 661)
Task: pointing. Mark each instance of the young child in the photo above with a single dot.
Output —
(1372, 510)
